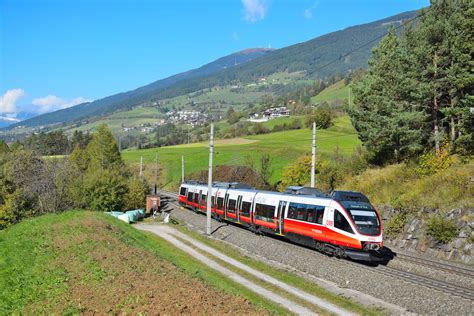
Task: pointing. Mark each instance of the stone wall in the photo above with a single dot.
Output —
(413, 237)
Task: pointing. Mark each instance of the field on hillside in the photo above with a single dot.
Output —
(283, 147)
(336, 91)
(82, 262)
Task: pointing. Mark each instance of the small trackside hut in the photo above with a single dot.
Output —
(343, 224)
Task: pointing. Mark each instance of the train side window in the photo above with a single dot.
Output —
(341, 222)
(203, 198)
(220, 202)
(311, 214)
(182, 191)
(301, 212)
(264, 212)
(196, 197)
(319, 215)
(292, 210)
(246, 208)
(190, 196)
(231, 207)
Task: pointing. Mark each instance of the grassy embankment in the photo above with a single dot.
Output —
(84, 262)
(337, 91)
(284, 148)
(401, 187)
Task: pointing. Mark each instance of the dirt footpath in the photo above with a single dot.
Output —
(170, 235)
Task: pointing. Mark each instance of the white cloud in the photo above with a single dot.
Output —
(9, 99)
(308, 13)
(255, 10)
(52, 103)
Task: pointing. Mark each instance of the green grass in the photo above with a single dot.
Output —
(283, 147)
(336, 91)
(138, 112)
(115, 124)
(282, 120)
(280, 274)
(227, 96)
(43, 258)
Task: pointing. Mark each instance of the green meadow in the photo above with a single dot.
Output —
(283, 147)
(337, 91)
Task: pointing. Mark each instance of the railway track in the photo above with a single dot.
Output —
(436, 265)
(438, 285)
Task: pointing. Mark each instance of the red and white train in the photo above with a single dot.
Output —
(343, 223)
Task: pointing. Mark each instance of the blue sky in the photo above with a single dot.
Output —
(57, 53)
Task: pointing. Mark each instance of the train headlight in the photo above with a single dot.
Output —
(371, 246)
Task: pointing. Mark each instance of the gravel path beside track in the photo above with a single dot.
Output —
(345, 274)
(168, 232)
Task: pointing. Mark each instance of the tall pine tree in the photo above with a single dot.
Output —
(389, 124)
(418, 92)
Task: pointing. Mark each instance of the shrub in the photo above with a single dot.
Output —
(430, 163)
(260, 129)
(323, 117)
(297, 173)
(105, 190)
(135, 198)
(295, 124)
(395, 225)
(441, 229)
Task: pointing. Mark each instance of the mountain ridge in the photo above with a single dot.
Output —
(309, 56)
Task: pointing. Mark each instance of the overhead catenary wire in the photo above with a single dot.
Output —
(422, 13)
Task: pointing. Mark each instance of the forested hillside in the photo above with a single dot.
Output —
(315, 57)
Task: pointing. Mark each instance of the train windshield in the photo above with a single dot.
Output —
(366, 221)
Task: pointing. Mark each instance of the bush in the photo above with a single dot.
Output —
(441, 229)
(295, 124)
(280, 127)
(323, 117)
(105, 190)
(430, 163)
(395, 225)
(260, 129)
(298, 173)
(135, 198)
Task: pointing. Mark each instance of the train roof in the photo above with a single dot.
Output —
(306, 191)
(291, 191)
(218, 184)
(349, 196)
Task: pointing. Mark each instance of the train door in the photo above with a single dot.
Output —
(329, 216)
(280, 217)
(226, 204)
(239, 207)
(200, 199)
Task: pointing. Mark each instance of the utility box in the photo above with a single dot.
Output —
(152, 203)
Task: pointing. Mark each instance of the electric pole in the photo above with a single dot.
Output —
(209, 181)
(156, 173)
(313, 155)
(141, 166)
(182, 169)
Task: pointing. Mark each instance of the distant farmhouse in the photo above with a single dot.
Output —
(269, 114)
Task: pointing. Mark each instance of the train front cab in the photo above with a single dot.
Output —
(356, 228)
